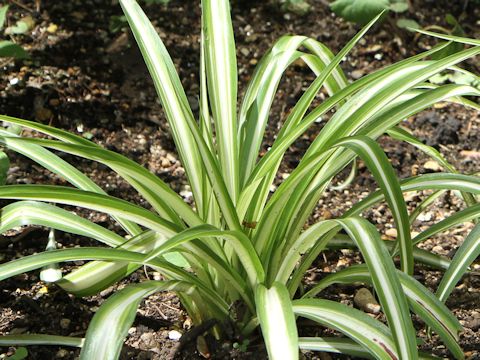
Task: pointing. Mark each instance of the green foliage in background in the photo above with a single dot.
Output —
(239, 254)
(363, 11)
(9, 48)
(300, 7)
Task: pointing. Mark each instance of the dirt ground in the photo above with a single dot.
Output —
(92, 81)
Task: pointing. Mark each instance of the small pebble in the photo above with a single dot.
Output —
(365, 301)
(61, 353)
(425, 216)
(65, 323)
(245, 51)
(52, 28)
(174, 335)
(391, 233)
(357, 74)
(432, 165)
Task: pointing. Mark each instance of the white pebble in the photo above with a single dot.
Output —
(174, 335)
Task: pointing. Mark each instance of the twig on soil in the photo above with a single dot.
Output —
(6, 62)
(25, 7)
(191, 336)
(6, 240)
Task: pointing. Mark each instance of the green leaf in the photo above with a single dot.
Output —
(93, 201)
(299, 7)
(221, 75)
(195, 153)
(465, 255)
(20, 354)
(256, 105)
(399, 6)
(334, 345)
(54, 163)
(171, 93)
(342, 346)
(3, 15)
(386, 283)
(282, 143)
(277, 320)
(468, 214)
(4, 166)
(450, 49)
(302, 244)
(460, 39)
(23, 213)
(165, 201)
(22, 26)
(109, 327)
(408, 24)
(371, 334)
(32, 262)
(341, 241)
(240, 243)
(293, 128)
(377, 162)
(96, 276)
(421, 300)
(40, 339)
(10, 49)
(439, 181)
(359, 11)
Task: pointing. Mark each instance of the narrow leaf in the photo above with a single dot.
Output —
(274, 311)
(465, 255)
(109, 327)
(368, 332)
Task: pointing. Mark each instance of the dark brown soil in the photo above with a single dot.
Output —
(84, 78)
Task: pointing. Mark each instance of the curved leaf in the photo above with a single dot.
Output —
(154, 190)
(437, 181)
(334, 345)
(342, 346)
(459, 217)
(377, 162)
(274, 311)
(341, 241)
(221, 75)
(386, 283)
(109, 326)
(465, 255)
(421, 300)
(56, 164)
(459, 39)
(37, 261)
(240, 243)
(368, 332)
(89, 200)
(40, 339)
(23, 213)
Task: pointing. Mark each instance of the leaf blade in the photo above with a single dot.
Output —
(277, 320)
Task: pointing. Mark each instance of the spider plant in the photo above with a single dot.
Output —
(242, 247)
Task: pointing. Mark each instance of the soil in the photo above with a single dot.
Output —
(85, 78)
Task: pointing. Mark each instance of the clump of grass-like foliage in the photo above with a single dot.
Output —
(241, 245)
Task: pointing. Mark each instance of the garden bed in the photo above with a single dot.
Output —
(87, 79)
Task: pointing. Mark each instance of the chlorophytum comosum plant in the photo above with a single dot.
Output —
(242, 246)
